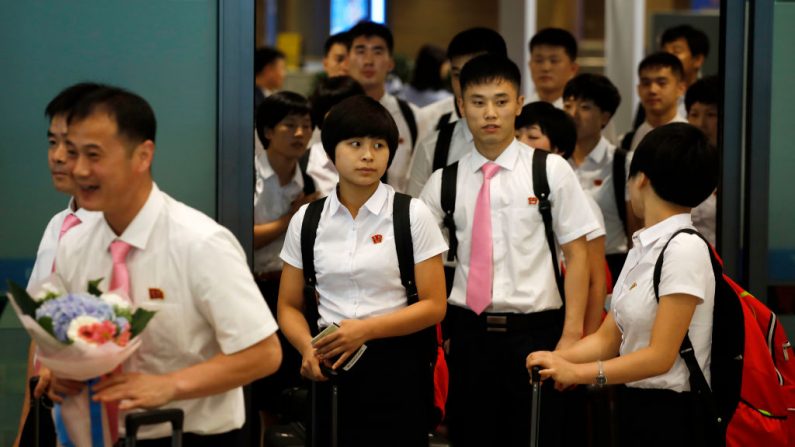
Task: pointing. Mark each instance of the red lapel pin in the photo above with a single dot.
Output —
(532, 200)
(597, 182)
(377, 238)
(156, 294)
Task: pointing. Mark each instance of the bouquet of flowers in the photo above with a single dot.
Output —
(80, 336)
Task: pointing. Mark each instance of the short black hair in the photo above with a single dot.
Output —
(477, 40)
(556, 124)
(277, 107)
(67, 98)
(371, 29)
(329, 92)
(697, 40)
(490, 67)
(661, 59)
(427, 69)
(706, 91)
(679, 162)
(355, 117)
(596, 88)
(339, 38)
(135, 119)
(556, 37)
(265, 56)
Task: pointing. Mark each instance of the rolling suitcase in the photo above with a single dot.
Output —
(134, 421)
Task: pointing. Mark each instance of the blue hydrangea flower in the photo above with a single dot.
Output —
(64, 309)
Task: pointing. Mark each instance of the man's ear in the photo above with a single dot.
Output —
(144, 154)
(460, 102)
(698, 61)
(520, 102)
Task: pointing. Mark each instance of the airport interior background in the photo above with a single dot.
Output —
(193, 59)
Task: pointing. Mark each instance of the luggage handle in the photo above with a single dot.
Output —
(535, 380)
(134, 421)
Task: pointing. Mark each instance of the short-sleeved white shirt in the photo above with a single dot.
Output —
(322, 170)
(686, 269)
(210, 304)
(524, 281)
(597, 213)
(422, 161)
(357, 272)
(533, 97)
(45, 255)
(432, 113)
(397, 174)
(272, 201)
(596, 178)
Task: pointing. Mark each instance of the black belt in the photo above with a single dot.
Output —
(463, 319)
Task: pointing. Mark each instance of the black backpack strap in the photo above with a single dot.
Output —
(541, 189)
(444, 119)
(626, 141)
(309, 183)
(401, 222)
(308, 236)
(442, 148)
(408, 114)
(620, 183)
(449, 179)
(698, 383)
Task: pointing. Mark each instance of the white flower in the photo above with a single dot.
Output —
(47, 290)
(118, 302)
(74, 329)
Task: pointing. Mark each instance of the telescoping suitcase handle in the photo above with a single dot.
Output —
(134, 421)
(535, 379)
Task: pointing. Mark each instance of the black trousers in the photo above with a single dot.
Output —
(267, 392)
(660, 418)
(490, 393)
(228, 439)
(384, 400)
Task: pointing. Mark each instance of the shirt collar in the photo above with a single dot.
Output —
(648, 236)
(600, 151)
(506, 160)
(266, 170)
(138, 232)
(375, 204)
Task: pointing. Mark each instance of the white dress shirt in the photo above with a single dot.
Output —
(322, 170)
(686, 269)
(432, 113)
(597, 213)
(645, 128)
(210, 304)
(422, 161)
(357, 276)
(596, 178)
(397, 174)
(45, 255)
(272, 201)
(524, 281)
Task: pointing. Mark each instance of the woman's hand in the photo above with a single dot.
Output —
(310, 366)
(344, 342)
(554, 367)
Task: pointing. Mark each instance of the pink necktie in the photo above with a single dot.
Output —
(120, 278)
(480, 260)
(69, 222)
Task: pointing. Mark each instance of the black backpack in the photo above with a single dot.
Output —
(619, 184)
(309, 182)
(541, 189)
(442, 149)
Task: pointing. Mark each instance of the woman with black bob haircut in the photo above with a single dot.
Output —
(385, 399)
(329, 92)
(638, 344)
(543, 126)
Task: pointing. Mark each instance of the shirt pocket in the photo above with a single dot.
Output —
(163, 337)
(522, 228)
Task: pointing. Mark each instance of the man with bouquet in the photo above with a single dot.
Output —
(212, 332)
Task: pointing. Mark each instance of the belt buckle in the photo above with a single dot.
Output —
(496, 323)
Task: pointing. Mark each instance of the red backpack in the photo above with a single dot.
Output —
(753, 378)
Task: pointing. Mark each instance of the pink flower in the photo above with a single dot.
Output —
(91, 331)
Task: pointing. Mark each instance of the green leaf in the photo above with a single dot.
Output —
(93, 287)
(46, 324)
(26, 304)
(139, 321)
